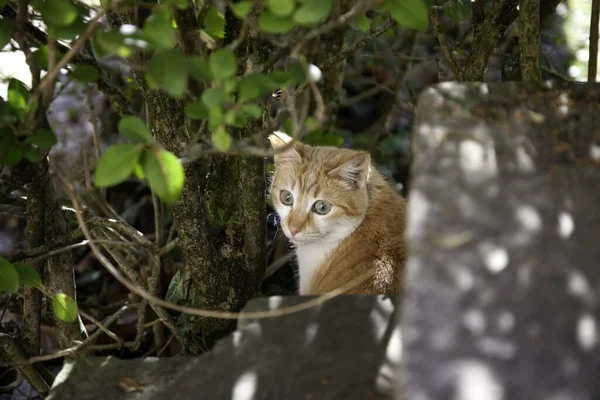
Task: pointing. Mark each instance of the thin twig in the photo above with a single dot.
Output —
(53, 72)
(196, 311)
(441, 36)
(359, 44)
(593, 61)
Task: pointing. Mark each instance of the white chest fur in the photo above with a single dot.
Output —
(310, 258)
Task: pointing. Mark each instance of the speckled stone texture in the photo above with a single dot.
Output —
(504, 231)
(347, 348)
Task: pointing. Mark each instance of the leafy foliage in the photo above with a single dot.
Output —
(9, 278)
(28, 276)
(117, 164)
(135, 130)
(65, 307)
(164, 173)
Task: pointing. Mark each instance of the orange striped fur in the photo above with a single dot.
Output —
(362, 231)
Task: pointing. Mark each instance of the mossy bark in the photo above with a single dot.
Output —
(224, 262)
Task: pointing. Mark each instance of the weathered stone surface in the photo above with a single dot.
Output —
(347, 348)
(504, 230)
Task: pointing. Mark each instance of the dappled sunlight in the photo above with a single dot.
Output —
(587, 332)
(379, 317)
(524, 161)
(476, 381)
(310, 333)
(435, 134)
(566, 225)
(463, 277)
(594, 151)
(387, 371)
(505, 321)
(496, 258)
(496, 347)
(275, 302)
(245, 387)
(563, 104)
(529, 218)
(417, 213)
(578, 286)
(474, 321)
(477, 160)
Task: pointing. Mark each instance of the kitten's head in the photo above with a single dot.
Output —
(320, 193)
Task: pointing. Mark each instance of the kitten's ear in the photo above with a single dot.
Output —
(280, 139)
(355, 172)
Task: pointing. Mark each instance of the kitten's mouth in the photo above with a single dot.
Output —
(304, 239)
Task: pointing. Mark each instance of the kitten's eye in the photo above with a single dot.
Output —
(321, 207)
(286, 197)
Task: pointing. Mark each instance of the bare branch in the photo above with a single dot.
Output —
(11, 351)
(439, 31)
(593, 59)
(196, 311)
(359, 44)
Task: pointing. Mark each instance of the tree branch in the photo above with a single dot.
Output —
(486, 35)
(529, 40)
(359, 44)
(593, 59)
(11, 351)
(439, 31)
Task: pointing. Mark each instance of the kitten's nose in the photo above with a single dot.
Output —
(294, 230)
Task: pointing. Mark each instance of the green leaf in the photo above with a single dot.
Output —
(282, 8)
(196, 110)
(116, 164)
(32, 153)
(28, 276)
(41, 56)
(255, 85)
(181, 4)
(215, 98)
(223, 64)
(9, 278)
(5, 32)
(242, 8)
(272, 23)
(199, 69)
(412, 14)
(230, 84)
(312, 11)
(221, 139)
(58, 12)
(10, 154)
(86, 73)
(236, 118)
(139, 172)
(252, 110)
(363, 23)
(165, 174)
(216, 116)
(43, 139)
(294, 75)
(178, 288)
(113, 42)
(64, 307)
(214, 23)
(168, 70)
(134, 129)
(459, 10)
(18, 97)
(71, 31)
(158, 29)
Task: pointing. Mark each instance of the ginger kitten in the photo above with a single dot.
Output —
(342, 216)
